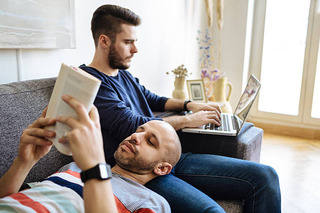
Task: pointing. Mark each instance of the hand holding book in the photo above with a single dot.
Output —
(74, 82)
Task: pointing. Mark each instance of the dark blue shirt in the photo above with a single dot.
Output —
(123, 105)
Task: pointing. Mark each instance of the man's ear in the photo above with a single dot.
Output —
(104, 41)
(163, 168)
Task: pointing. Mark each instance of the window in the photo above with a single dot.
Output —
(285, 56)
(315, 113)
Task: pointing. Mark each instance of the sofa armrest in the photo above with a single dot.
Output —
(21, 104)
(246, 145)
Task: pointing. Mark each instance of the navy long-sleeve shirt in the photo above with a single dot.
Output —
(123, 105)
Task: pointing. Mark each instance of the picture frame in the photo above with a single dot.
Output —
(37, 24)
(196, 91)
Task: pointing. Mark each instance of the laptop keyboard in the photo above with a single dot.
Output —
(224, 124)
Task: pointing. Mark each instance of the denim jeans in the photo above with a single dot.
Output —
(199, 179)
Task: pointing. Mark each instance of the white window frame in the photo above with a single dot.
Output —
(254, 61)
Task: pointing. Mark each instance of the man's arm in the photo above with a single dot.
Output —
(178, 105)
(98, 196)
(12, 180)
(203, 113)
(86, 144)
(123, 107)
(33, 146)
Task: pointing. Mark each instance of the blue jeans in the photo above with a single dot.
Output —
(199, 179)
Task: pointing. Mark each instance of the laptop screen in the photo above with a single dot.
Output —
(247, 99)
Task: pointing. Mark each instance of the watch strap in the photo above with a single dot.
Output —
(101, 171)
(185, 105)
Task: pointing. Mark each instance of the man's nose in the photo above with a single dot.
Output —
(136, 138)
(134, 49)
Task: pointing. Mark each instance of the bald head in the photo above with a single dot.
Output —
(153, 145)
(171, 141)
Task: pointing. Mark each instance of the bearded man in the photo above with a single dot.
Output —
(124, 104)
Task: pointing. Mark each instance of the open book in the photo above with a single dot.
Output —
(77, 83)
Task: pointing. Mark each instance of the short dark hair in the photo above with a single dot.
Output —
(107, 19)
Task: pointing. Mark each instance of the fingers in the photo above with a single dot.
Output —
(77, 106)
(218, 107)
(81, 112)
(37, 136)
(94, 114)
(217, 111)
(210, 117)
(219, 114)
(42, 122)
(64, 139)
(203, 117)
(37, 132)
(214, 107)
(70, 121)
(214, 111)
(214, 118)
(44, 112)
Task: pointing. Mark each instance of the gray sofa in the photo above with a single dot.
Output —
(22, 102)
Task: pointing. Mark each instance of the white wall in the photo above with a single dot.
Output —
(233, 45)
(166, 39)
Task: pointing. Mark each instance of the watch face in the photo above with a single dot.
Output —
(103, 171)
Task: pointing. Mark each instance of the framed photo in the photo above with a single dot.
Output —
(196, 91)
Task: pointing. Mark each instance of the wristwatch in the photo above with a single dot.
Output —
(101, 171)
(185, 105)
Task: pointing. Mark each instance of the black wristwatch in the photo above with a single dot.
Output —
(102, 171)
(185, 105)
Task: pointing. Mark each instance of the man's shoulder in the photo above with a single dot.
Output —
(101, 75)
(92, 71)
(86, 68)
(130, 192)
(125, 73)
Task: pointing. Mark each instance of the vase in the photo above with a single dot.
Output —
(220, 94)
(209, 86)
(179, 91)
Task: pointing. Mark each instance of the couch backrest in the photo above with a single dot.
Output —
(21, 103)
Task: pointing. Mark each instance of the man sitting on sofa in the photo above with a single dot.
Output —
(124, 104)
(62, 192)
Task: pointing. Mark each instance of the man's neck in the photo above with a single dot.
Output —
(99, 62)
(140, 178)
(104, 69)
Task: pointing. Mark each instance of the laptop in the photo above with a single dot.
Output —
(231, 124)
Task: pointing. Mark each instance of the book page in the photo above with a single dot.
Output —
(78, 84)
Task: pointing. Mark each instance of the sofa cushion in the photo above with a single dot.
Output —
(20, 104)
(231, 206)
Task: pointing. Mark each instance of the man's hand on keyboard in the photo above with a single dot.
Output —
(196, 107)
(203, 117)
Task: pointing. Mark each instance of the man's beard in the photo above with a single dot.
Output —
(133, 164)
(115, 60)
